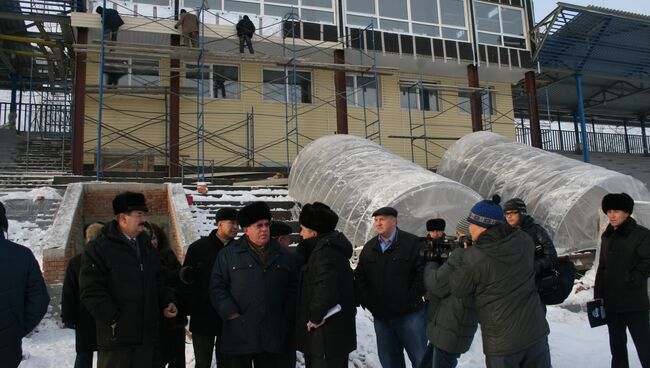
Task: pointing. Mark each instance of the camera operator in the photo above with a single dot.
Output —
(451, 321)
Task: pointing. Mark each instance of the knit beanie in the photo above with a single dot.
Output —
(618, 201)
(515, 204)
(486, 213)
(462, 226)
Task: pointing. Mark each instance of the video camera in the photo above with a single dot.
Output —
(438, 250)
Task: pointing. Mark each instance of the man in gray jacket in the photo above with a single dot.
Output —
(498, 272)
(451, 321)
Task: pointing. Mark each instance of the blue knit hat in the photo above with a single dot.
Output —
(486, 213)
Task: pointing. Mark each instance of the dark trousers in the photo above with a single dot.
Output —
(638, 324)
(287, 359)
(139, 357)
(84, 359)
(244, 39)
(337, 361)
(110, 35)
(261, 360)
(204, 348)
(406, 332)
(535, 356)
(443, 359)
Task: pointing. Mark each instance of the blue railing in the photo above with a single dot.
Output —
(50, 119)
(565, 140)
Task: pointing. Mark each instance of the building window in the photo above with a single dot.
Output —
(499, 25)
(197, 80)
(433, 18)
(418, 97)
(131, 72)
(226, 81)
(362, 91)
(487, 102)
(277, 85)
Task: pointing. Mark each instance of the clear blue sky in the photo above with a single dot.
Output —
(544, 7)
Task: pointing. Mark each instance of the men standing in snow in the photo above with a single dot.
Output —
(205, 323)
(498, 272)
(326, 282)
(388, 282)
(622, 279)
(123, 288)
(24, 297)
(253, 288)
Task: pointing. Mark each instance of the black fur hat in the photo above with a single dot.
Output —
(252, 213)
(280, 228)
(129, 201)
(436, 224)
(618, 201)
(226, 213)
(318, 217)
(4, 223)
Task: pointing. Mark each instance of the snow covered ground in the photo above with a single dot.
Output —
(573, 343)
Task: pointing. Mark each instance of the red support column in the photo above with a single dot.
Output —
(475, 98)
(341, 95)
(533, 110)
(174, 112)
(79, 106)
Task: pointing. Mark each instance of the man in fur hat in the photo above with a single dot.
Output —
(622, 279)
(253, 288)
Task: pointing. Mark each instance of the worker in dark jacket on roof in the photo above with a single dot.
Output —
(205, 323)
(498, 272)
(245, 31)
(253, 288)
(622, 279)
(122, 286)
(388, 282)
(74, 313)
(326, 284)
(112, 22)
(23, 295)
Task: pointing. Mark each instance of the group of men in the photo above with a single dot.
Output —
(254, 301)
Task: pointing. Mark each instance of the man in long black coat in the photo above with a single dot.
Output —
(205, 323)
(23, 295)
(326, 284)
(622, 279)
(123, 288)
(245, 32)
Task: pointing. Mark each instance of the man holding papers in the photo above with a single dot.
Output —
(325, 327)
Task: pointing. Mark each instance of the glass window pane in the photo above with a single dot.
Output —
(317, 16)
(289, 2)
(241, 7)
(367, 90)
(454, 34)
(278, 11)
(274, 85)
(320, 3)
(430, 100)
(424, 11)
(487, 17)
(357, 20)
(393, 8)
(489, 38)
(193, 77)
(519, 43)
(144, 73)
(408, 97)
(393, 26)
(423, 29)
(452, 12)
(196, 4)
(463, 102)
(226, 81)
(486, 101)
(512, 23)
(350, 90)
(361, 6)
(302, 87)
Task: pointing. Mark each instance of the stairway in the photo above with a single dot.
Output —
(205, 207)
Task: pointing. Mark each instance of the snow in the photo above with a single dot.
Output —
(573, 343)
(35, 194)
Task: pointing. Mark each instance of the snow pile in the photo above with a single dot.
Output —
(35, 194)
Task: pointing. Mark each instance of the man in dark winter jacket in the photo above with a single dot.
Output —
(498, 272)
(122, 286)
(74, 313)
(326, 284)
(23, 295)
(451, 321)
(253, 288)
(112, 22)
(545, 254)
(245, 32)
(205, 323)
(388, 282)
(621, 279)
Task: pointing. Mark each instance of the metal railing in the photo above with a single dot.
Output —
(201, 173)
(565, 140)
(43, 7)
(38, 118)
